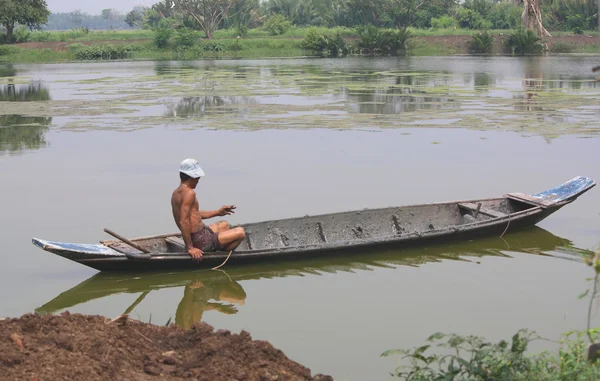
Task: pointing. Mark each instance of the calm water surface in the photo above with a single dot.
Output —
(89, 146)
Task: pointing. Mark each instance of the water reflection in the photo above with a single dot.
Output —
(8, 70)
(200, 106)
(35, 91)
(19, 132)
(219, 294)
(221, 290)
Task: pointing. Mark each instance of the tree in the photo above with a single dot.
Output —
(531, 18)
(110, 15)
(32, 13)
(207, 13)
(77, 17)
(134, 18)
(242, 14)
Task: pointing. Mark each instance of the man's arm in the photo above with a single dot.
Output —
(225, 210)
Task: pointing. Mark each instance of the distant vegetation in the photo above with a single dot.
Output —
(247, 28)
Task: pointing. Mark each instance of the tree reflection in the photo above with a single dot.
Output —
(24, 93)
(399, 100)
(18, 132)
(210, 104)
(8, 70)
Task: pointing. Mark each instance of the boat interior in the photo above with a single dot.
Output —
(349, 227)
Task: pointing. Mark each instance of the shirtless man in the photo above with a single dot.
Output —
(197, 236)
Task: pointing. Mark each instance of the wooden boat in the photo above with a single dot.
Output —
(533, 241)
(334, 233)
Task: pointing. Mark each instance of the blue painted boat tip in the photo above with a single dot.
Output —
(568, 190)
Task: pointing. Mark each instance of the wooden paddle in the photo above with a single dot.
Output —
(146, 252)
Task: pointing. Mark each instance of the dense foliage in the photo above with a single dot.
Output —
(276, 16)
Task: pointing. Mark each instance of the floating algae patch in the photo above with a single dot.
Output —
(221, 95)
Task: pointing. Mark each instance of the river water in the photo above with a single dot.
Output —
(87, 146)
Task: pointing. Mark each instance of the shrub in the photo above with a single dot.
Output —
(277, 25)
(106, 52)
(382, 41)
(21, 34)
(314, 41)
(6, 50)
(481, 42)
(470, 19)
(212, 46)
(472, 358)
(505, 15)
(161, 37)
(523, 42)
(40, 36)
(443, 22)
(75, 47)
(186, 37)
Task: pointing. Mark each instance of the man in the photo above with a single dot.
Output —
(197, 236)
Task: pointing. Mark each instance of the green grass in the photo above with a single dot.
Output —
(258, 43)
(37, 55)
(595, 48)
(100, 35)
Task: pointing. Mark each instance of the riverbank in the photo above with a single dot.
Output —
(140, 46)
(75, 346)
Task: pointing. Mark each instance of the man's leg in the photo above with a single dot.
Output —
(230, 239)
(220, 226)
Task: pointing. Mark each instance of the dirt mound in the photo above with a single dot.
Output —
(81, 347)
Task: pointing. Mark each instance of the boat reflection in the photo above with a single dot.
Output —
(220, 290)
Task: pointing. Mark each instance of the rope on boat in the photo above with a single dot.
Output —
(226, 259)
(507, 225)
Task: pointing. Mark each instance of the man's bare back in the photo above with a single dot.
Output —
(177, 204)
(189, 218)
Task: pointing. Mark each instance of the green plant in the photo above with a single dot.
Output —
(104, 52)
(21, 34)
(75, 47)
(314, 41)
(562, 47)
(443, 22)
(523, 42)
(186, 37)
(481, 42)
(161, 37)
(212, 46)
(6, 50)
(277, 25)
(475, 359)
(382, 41)
(369, 39)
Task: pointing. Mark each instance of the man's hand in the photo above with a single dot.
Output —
(195, 253)
(226, 209)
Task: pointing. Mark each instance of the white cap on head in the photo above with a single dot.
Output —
(191, 167)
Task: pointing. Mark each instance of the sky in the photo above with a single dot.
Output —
(95, 6)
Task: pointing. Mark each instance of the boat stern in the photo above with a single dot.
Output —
(75, 251)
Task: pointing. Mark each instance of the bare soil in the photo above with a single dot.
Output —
(61, 46)
(92, 348)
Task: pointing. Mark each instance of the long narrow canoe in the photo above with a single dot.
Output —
(534, 241)
(336, 233)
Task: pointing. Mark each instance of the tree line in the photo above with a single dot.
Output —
(242, 15)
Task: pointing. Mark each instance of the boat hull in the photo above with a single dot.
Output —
(338, 233)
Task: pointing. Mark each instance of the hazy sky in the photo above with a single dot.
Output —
(95, 6)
